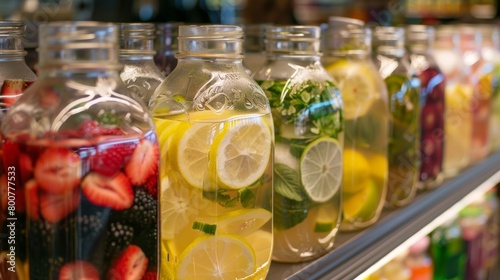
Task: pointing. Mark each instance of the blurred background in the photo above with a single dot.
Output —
(378, 12)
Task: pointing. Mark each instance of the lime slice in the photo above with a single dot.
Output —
(262, 246)
(357, 85)
(321, 168)
(217, 257)
(241, 151)
(243, 221)
(191, 146)
(356, 171)
(362, 205)
(327, 218)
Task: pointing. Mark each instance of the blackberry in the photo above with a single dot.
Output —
(89, 230)
(144, 210)
(118, 237)
(46, 269)
(147, 239)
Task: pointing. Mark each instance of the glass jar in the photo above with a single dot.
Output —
(418, 260)
(420, 40)
(492, 233)
(473, 223)
(308, 121)
(166, 46)
(481, 79)
(15, 77)
(216, 139)
(490, 51)
(82, 149)
(347, 49)
(254, 46)
(139, 72)
(403, 87)
(458, 96)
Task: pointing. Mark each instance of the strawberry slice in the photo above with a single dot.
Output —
(56, 206)
(11, 91)
(143, 163)
(92, 128)
(78, 270)
(32, 199)
(152, 185)
(10, 154)
(58, 170)
(25, 166)
(113, 192)
(110, 158)
(4, 189)
(131, 264)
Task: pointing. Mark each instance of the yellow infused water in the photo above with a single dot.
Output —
(216, 182)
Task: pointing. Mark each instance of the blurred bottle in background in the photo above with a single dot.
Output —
(165, 45)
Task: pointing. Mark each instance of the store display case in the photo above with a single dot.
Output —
(358, 254)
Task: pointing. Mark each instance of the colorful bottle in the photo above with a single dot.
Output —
(216, 140)
(418, 260)
(254, 46)
(490, 51)
(308, 121)
(15, 77)
(165, 44)
(420, 40)
(447, 250)
(82, 149)
(403, 87)
(458, 96)
(473, 222)
(481, 79)
(492, 234)
(139, 73)
(364, 180)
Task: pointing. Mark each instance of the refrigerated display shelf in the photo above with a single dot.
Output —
(357, 253)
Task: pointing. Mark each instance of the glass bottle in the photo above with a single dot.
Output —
(458, 96)
(216, 140)
(15, 77)
(347, 49)
(473, 223)
(490, 51)
(447, 250)
(403, 87)
(492, 233)
(420, 40)
(166, 46)
(83, 150)
(139, 72)
(419, 261)
(308, 121)
(481, 79)
(254, 46)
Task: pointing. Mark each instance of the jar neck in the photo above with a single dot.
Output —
(85, 59)
(79, 73)
(210, 41)
(11, 39)
(292, 56)
(166, 37)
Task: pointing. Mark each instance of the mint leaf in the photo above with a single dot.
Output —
(288, 213)
(287, 182)
(247, 198)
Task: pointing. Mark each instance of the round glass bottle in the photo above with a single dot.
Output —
(139, 72)
(15, 77)
(82, 149)
(403, 87)
(166, 46)
(458, 96)
(420, 39)
(254, 46)
(481, 79)
(308, 121)
(216, 139)
(347, 59)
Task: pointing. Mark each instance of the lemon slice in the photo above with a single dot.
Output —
(356, 172)
(243, 221)
(362, 205)
(165, 130)
(321, 168)
(357, 86)
(191, 146)
(217, 257)
(262, 246)
(241, 151)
